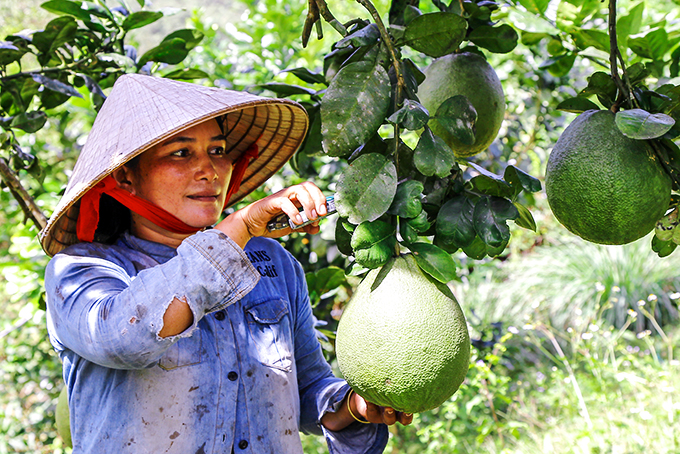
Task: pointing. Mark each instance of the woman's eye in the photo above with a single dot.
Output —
(217, 150)
(181, 153)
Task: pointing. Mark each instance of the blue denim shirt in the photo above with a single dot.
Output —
(245, 378)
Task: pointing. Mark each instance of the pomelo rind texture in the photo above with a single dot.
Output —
(470, 75)
(406, 344)
(603, 186)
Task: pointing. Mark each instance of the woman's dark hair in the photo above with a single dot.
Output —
(114, 217)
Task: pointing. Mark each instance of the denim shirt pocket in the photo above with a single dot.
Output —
(185, 352)
(271, 334)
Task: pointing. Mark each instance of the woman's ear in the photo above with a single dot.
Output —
(125, 178)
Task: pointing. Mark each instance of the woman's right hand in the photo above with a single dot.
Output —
(251, 221)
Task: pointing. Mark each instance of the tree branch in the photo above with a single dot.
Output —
(613, 54)
(28, 205)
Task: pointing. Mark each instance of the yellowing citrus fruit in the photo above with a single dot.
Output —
(603, 186)
(403, 344)
(470, 75)
(62, 417)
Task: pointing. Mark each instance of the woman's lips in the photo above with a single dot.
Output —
(204, 197)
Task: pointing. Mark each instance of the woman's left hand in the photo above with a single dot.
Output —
(377, 414)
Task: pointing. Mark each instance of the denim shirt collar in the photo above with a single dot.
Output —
(159, 252)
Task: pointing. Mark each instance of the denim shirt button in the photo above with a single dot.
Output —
(243, 444)
(220, 315)
(232, 376)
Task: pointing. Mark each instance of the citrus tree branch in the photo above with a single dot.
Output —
(317, 9)
(624, 93)
(28, 205)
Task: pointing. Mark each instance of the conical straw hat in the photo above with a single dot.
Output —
(142, 111)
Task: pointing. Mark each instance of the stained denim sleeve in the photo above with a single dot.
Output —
(320, 390)
(102, 311)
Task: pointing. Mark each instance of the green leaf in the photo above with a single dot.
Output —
(306, 75)
(284, 90)
(343, 238)
(663, 248)
(408, 233)
(490, 216)
(140, 19)
(187, 74)
(190, 36)
(476, 249)
(92, 85)
(521, 180)
(658, 43)
(629, 25)
(419, 223)
(559, 65)
(411, 116)
(535, 6)
(525, 219)
(366, 36)
(57, 32)
(56, 85)
(637, 72)
(9, 53)
(497, 250)
(642, 125)
(171, 52)
(436, 34)
(406, 203)
(458, 117)
(29, 122)
(432, 155)
(62, 7)
(174, 48)
(354, 107)
(602, 85)
(324, 281)
(455, 226)
(122, 61)
(577, 105)
(374, 243)
(533, 38)
(366, 188)
(500, 40)
(434, 261)
(587, 37)
(491, 186)
(98, 10)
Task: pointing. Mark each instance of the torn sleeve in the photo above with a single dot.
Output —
(112, 317)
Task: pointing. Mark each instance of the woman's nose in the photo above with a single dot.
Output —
(205, 168)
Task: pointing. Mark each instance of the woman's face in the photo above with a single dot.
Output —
(186, 175)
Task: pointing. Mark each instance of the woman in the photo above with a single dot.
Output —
(179, 333)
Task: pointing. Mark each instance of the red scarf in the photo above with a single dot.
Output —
(88, 218)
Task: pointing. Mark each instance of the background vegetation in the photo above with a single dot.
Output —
(573, 343)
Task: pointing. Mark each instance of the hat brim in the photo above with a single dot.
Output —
(277, 126)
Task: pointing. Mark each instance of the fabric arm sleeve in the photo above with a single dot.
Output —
(108, 317)
(321, 391)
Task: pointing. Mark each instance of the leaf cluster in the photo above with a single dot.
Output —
(79, 53)
(390, 195)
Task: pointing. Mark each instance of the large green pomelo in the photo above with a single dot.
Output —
(62, 417)
(404, 344)
(470, 75)
(603, 186)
